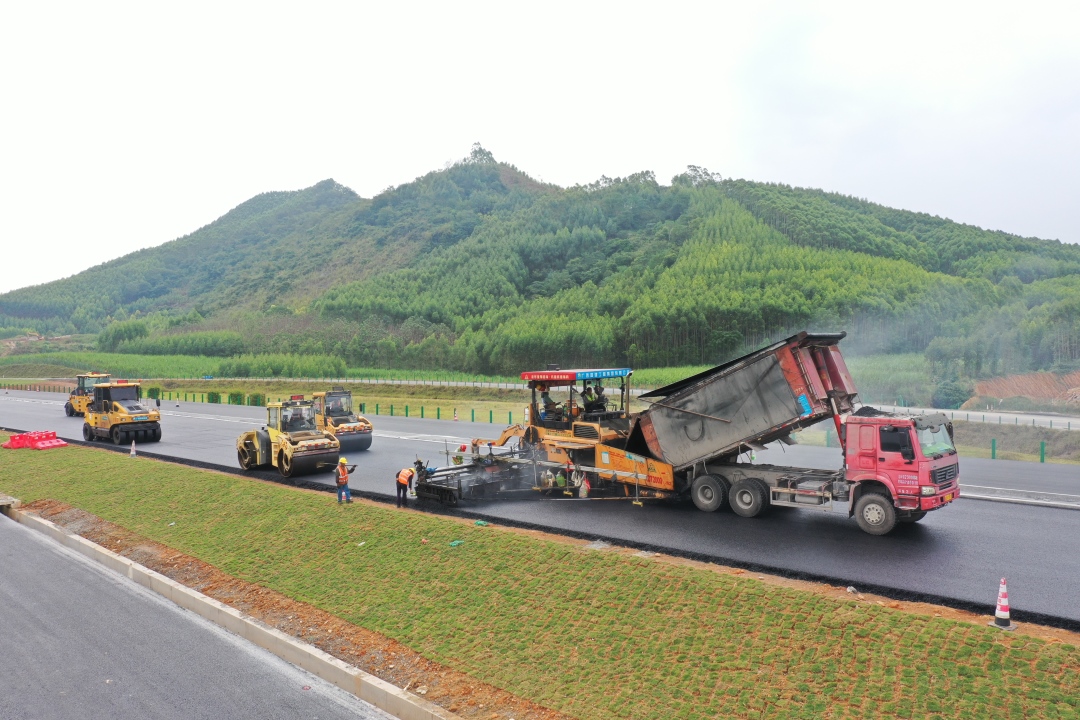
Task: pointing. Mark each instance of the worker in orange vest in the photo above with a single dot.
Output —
(404, 482)
(343, 471)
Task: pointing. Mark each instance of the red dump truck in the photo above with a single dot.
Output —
(895, 468)
(696, 440)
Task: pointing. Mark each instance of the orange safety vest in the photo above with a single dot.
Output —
(342, 475)
(405, 476)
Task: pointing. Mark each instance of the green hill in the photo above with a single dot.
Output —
(482, 269)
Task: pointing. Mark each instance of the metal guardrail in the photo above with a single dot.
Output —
(1020, 497)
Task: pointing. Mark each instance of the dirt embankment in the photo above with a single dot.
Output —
(1044, 386)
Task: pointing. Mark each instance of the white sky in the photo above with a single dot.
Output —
(125, 125)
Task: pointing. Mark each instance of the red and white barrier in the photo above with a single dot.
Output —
(42, 440)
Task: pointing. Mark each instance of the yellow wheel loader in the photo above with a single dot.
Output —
(334, 414)
(83, 394)
(290, 441)
(117, 412)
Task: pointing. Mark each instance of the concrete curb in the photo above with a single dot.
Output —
(369, 688)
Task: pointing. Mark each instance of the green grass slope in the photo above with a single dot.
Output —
(594, 634)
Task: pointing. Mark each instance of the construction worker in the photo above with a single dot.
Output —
(601, 399)
(404, 483)
(343, 471)
(588, 398)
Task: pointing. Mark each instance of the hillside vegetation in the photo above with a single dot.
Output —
(478, 268)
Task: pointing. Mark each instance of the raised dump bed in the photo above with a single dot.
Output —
(746, 403)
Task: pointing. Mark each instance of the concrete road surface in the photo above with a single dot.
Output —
(80, 641)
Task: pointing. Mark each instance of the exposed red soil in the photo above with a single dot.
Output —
(1038, 386)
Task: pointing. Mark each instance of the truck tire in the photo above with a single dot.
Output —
(155, 435)
(875, 513)
(69, 410)
(709, 492)
(242, 458)
(116, 435)
(748, 497)
(912, 517)
(87, 433)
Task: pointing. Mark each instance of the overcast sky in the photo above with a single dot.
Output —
(125, 125)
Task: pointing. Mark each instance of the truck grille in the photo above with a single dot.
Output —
(586, 431)
(945, 475)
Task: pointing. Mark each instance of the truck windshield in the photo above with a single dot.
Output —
(935, 442)
(87, 383)
(294, 419)
(129, 392)
(338, 405)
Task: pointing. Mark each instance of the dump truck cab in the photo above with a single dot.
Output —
(334, 413)
(290, 441)
(83, 393)
(117, 412)
(910, 460)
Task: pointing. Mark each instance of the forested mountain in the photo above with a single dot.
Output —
(478, 267)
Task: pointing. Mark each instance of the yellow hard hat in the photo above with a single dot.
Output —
(343, 461)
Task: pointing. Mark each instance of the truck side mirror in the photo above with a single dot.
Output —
(158, 400)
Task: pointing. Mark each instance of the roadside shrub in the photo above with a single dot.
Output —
(236, 398)
(213, 397)
(257, 400)
(153, 393)
(950, 395)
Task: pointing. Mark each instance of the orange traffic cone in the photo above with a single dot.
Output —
(1001, 615)
(132, 449)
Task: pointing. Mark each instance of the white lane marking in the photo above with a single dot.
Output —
(31, 400)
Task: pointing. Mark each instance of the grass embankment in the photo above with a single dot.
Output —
(37, 370)
(593, 634)
(1014, 442)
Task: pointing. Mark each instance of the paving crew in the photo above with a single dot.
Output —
(343, 471)
(404, 483)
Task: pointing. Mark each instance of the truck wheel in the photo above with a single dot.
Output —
(912, 517)
(875, 513)
(284, 465)
(243, 459)
(69, 410)
(748, 497)
(708, 492)
(155, 435)
(117, 436)
(87, 432)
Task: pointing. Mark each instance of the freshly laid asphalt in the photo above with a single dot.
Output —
(955, 555)
(80, 641)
